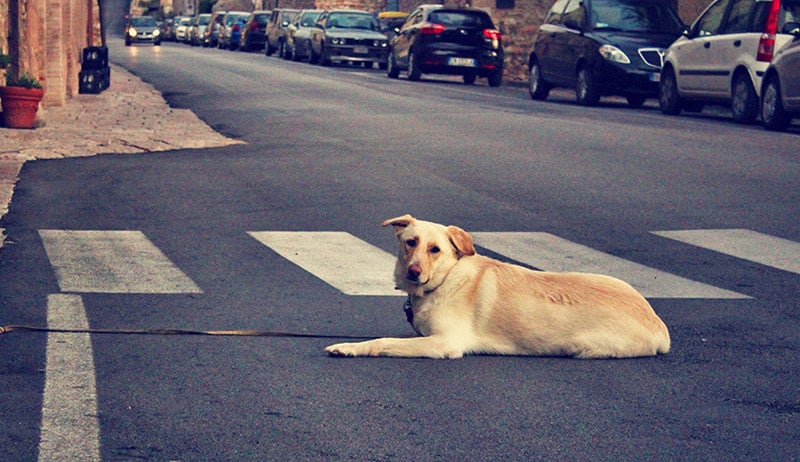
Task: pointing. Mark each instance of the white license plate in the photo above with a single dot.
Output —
(361, 50)
(463, 62)
(655, 77)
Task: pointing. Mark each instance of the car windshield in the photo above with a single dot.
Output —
(635, 16)
(204, 20)
(353, 21)
(460, 19)
(145, 21)
(309, 19)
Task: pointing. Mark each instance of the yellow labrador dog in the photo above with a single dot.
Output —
(466, 303)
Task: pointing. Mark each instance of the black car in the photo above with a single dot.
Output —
(603, 47)
(140, 29)
(456, 41)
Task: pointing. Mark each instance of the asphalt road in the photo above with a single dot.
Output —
(701, 212)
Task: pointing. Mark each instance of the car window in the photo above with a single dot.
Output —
(353, 21)
(635, 16)
(575, 11)
(556, 12)
(710, 22)
(740, 17)
(790, 12)
(460, 19)
(143, 22)
(309, 19)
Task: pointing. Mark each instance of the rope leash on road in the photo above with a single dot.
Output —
(219, 333)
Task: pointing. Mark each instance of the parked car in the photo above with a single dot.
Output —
(211, 38)
(780, 91)
(724, 56)
(438, 40)
(601, 48)
(348, 36)
(230, 29)
(182, 31)
(254, 31)
(198, 29)
(278, 21)
(297, 35)
(390, 22)
(142, 29)
(168, 29)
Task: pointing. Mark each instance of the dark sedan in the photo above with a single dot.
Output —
(438, 40)
(348, 36)
(603, 47)
(142, 29)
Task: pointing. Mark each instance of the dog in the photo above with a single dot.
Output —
(465, 303)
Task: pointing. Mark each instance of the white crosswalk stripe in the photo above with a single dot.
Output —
(743, 243)
(342, 260)
(112, 262)
(552, 253)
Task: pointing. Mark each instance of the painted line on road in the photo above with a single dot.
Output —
(112, 262)
(342, 260)
(70, 428)
(745, 244)
(552, 253)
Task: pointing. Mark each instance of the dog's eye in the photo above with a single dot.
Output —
(411, 242)
(435, 249)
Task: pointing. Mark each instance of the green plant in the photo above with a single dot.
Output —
(23, 80)
(5, 60)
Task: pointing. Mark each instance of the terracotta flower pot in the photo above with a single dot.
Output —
(20, 106)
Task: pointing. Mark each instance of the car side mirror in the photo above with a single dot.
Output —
(572, 24)
(791, 28)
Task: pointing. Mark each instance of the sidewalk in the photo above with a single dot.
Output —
(129, 117)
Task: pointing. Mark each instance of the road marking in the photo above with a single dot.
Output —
(112, 262)
(342, 260)
(552, 253)
(70, 429)
(743, 243)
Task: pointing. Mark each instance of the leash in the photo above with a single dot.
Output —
(218, 333)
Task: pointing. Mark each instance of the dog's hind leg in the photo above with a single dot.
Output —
(435, 347)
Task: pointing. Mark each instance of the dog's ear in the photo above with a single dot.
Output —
(399, 223)
(462, 240)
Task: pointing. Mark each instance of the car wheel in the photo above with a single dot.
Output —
(295, 56)
(772, 112)
(414, 72)
(496, 79)
(636, 100)
(469, 78)
(744, 102)
(391, 67)
(286, 51)
(669, 100)
(324, 57)
(313, 57)
(586, 90)
(537, 87)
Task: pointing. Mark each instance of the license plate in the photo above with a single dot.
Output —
(655, 77)
(463, 62)
(361, 50)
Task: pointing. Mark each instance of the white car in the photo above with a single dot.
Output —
(723, 57)
(182, 31)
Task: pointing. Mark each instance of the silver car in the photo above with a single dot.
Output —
(780, 92)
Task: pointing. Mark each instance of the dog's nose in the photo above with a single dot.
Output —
(413, 272)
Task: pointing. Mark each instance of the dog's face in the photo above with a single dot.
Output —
(427, 252)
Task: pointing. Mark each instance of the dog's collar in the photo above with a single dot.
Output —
(409, 310)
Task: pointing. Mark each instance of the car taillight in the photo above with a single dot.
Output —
(431, 29)
(493, 36)
(766, 44)
(235, 28)
(253, 26)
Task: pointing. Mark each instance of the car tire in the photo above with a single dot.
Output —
(586, 90)
(773, 115)
(324, 57)
(744, 101)
(469, 78)
(669, 100)
(391, 67)
(414, 72)
(286, 52)
(537, 87)
(496, 79)
(295, 56)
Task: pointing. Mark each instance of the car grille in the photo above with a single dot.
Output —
(653, 57)
(364, 42)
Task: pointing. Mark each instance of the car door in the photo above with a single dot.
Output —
(546, 39)
(401, 45)
(700, 71)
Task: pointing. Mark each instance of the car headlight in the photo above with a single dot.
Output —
(379, 43)
(337, 41)
(614, 54)
(132, 32)
(156, 33)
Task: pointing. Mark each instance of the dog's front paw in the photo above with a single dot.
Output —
(343, 349)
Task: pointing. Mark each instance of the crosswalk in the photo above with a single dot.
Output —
(97, 261)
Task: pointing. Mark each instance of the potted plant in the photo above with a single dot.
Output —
(20, 100)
